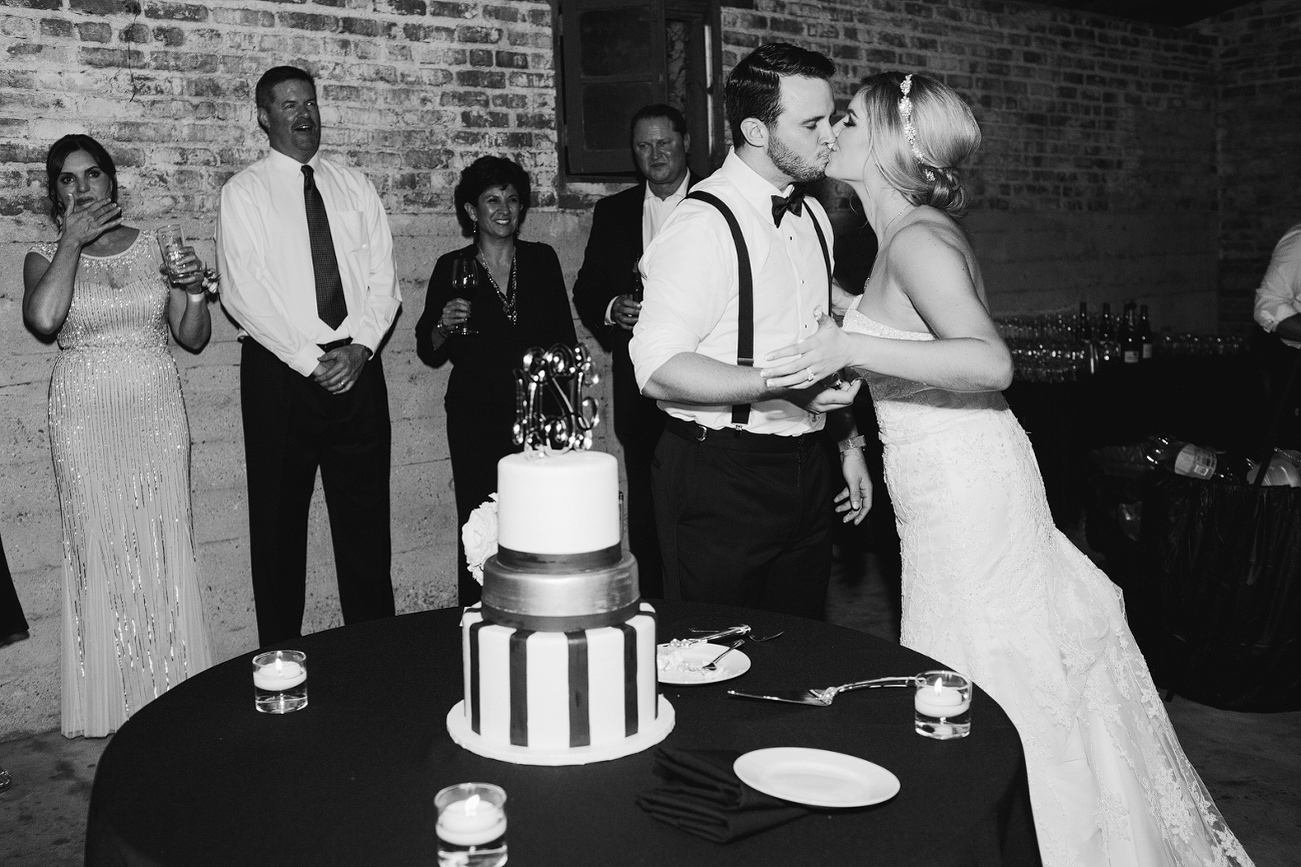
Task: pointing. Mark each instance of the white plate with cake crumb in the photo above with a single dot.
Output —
(685, 666)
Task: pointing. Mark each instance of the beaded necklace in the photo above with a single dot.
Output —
(507, 297)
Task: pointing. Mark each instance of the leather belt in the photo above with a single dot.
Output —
(741, 440)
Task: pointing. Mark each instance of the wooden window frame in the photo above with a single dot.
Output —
(704, 100)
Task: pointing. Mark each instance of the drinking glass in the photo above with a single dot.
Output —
(171, 244)
(465, 280)
(638, 290)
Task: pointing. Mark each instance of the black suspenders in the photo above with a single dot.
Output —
(745, 290)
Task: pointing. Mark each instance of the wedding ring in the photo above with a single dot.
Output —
(810, 379)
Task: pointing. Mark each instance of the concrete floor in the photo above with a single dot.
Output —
(1251, 763)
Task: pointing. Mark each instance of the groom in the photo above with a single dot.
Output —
(742, 480)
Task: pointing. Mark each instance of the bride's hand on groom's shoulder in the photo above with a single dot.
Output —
(808, 362)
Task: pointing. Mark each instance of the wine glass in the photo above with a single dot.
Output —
(465, 280)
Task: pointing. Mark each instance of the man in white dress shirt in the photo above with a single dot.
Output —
(742, 478)
(308, 273)
(1278, 310)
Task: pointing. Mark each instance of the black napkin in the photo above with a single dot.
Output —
(702, 796)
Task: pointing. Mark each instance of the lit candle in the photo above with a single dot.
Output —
(471, 822)
(281, 675)
(935, 700)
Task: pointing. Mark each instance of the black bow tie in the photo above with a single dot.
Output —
(793, 203)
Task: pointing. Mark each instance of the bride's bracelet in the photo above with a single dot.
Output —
(858, 442)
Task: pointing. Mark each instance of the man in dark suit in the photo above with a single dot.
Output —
(607, 294)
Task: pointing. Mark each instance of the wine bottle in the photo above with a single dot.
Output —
(1186, 459)
(1105, 336)
(1104, 323)
(1131, 348)
(1145, 333)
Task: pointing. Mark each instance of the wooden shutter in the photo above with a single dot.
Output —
(613, 53)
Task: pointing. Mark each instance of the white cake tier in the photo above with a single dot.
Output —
(565, 503)
(554, 691)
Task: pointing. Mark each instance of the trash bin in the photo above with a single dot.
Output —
(1217, 609)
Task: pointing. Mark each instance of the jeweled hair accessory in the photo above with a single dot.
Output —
(551, 411)
(910, 131)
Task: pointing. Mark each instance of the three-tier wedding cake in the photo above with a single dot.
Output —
(559, 656)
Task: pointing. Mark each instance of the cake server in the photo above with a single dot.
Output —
(743, 629)
(823, 697)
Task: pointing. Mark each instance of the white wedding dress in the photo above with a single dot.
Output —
(993, 590)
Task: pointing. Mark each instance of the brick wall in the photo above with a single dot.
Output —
(1258, 131)
(1097, 181)
(1096, 177)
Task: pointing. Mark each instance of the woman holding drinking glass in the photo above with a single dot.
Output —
(487, 304)
(132, 617)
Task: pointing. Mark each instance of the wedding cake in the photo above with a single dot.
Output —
(559, 656)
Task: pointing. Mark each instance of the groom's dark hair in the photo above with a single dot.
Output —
(754, 87)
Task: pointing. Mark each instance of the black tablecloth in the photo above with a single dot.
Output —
(1216, 603)
(198, 777)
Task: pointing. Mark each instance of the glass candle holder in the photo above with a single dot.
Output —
(280, 681)
(942, 705)
(471, 825)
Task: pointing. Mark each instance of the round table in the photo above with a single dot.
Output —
(199, 777)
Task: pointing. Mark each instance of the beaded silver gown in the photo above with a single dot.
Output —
(992, 589)
(133, 622)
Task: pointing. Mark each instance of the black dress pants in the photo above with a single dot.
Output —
(744, 519)
(12, 622)
(292, 427)
(478, 436)
(638, 455)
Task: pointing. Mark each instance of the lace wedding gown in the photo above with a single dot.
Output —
(132, 617)
(993, 590)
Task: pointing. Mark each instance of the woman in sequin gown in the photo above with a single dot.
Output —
(990, 587)
(133, 623)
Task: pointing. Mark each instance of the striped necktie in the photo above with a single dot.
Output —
(330, 303)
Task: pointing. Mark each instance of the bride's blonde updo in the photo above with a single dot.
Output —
(920, 133)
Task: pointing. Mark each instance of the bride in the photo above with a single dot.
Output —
(990, 587)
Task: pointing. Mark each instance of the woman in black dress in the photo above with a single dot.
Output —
(517, 300)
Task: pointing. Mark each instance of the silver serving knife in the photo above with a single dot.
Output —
(823, 697)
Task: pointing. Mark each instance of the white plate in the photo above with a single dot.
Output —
(816, 778)
(733, 665)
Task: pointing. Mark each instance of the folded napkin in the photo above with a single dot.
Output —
(702, 796)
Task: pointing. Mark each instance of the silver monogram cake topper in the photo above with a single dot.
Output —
(551, 411)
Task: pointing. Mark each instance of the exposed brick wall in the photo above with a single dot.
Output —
(1098, 180)
(1259, 139)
